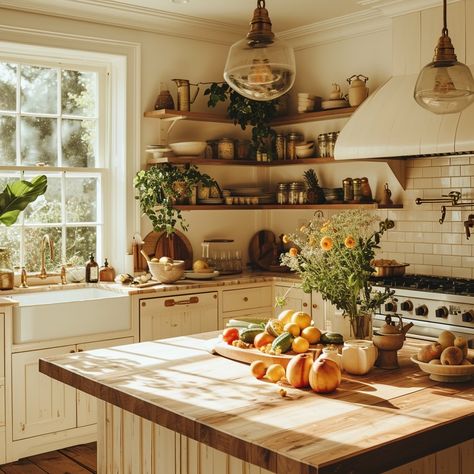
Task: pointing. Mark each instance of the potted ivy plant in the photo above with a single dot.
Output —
(244, 111)
(160, 188)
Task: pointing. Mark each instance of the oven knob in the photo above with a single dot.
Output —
(442, 312)
(468, 316)
(421, 310)
(391, 306)
(406, 306)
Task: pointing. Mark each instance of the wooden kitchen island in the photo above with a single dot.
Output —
(172, 407)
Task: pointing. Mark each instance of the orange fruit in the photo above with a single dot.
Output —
(303, 320)
(263, 339)
(293, 329)
(285, 316)
(300, 344)
(311, 334)
(275, 372)
(258, 369)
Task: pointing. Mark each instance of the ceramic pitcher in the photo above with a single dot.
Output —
(358, 356)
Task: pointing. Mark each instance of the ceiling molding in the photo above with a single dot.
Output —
(392, 8)
(336, 29)
(115, 13)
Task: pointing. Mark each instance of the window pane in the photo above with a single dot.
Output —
(38, 141)
(47, 208)
(7, 140)
(80, 242)
(32, 239)
(39, 90)
(79, 93)
(8, 87)
(10, 238)
(78, 142)
(81, 199)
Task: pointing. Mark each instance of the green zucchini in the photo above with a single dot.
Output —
(248, 335)
(331, 338)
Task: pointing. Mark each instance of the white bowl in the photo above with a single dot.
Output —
(167, 272)
(188, 148)
(446, 373)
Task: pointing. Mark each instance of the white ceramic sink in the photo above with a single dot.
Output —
(67, 313)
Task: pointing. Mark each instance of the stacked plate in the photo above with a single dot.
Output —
(251, 192)
(333, 194)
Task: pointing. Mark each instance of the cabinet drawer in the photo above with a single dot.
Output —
(237, 300)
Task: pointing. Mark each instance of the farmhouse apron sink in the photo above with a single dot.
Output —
(68, 313)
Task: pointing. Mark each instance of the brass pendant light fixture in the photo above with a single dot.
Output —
(444, 86)
(260, 66)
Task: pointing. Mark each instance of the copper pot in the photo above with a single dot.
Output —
(382, 271)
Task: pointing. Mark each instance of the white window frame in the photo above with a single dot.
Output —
(122, 121)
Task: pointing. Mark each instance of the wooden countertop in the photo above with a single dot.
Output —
(370, 424)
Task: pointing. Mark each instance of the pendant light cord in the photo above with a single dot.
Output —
(445, 18)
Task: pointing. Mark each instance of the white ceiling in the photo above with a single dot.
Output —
(223, 20)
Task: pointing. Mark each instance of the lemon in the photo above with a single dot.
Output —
(303, 320)
(285, 316)
(275, 372)
(300, 345)
(311, 334)
(293, 329)
(200, 265)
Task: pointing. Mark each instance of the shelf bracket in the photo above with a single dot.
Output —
(166, 131)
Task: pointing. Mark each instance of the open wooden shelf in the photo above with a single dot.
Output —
(166, 114)
(183, 160)
(242, 207)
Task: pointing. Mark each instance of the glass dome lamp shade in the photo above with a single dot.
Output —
(444, 86)
(260, 66)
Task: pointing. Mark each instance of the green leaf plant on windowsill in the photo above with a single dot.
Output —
(160, 188)
(243, 111)
(17, 195)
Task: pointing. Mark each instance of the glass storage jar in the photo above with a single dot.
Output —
(6, 270)
(291, 140)
(297, 194)
(323, 145)
(225, 149)
(280, 146)
(282, 193)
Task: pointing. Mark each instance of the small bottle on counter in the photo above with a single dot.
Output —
(106, 273)
(348, 190)
(92, 270)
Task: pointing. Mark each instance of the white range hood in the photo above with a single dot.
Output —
(390, 124)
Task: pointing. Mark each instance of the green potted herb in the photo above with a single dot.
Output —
(160, 188)
(244, 112)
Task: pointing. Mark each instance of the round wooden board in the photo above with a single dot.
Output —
(247, 356)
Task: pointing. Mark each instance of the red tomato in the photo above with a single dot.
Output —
(230, 334)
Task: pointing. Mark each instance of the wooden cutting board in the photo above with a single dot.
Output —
(247, 356)
(158, 244)
(264, 252)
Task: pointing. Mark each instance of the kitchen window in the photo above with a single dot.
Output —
(53, 121)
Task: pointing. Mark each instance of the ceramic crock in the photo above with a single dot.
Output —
(358, 356)
(333, 354)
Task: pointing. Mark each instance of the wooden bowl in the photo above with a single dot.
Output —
(446, 373)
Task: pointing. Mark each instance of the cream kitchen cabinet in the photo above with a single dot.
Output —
(180, 315)
(255, 301)
(40, 405)
(295, 298)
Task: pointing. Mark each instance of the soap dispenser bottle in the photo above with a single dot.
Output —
(92, 270)
(106, 273)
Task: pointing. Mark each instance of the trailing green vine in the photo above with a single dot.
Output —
(244, 112)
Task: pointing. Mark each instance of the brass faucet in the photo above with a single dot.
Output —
(46, 239)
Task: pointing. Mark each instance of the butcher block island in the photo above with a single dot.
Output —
(171, 406)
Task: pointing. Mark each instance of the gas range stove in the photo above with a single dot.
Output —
(432, 303)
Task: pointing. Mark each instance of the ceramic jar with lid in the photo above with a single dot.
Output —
(332, 353)
(358, 356)
(358, 91)
(225, 149)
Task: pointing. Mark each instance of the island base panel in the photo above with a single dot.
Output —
(128, 443)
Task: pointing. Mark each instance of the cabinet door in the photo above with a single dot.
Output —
(173, 316)
(87, 404)
(41, 405)
(295, 298)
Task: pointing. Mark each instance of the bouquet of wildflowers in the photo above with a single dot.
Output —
(334, 257)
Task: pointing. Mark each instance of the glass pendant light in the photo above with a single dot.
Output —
(444, 86)
(260, 66)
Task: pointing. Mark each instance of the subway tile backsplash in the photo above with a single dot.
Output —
(418, 239)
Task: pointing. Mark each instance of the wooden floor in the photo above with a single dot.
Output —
(75, 460)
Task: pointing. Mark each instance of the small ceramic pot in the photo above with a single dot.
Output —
(358, 356)
(333, 354)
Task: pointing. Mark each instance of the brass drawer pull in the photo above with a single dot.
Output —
(173, 302)
(315, 305)
(305, 305)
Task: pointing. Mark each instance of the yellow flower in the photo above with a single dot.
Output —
(326, 243)
(350, 242)
(312, 241)
(285, 239)
(303, 228)
(325, 227)
(293, 252)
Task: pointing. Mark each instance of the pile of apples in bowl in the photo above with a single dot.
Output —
(446, 360)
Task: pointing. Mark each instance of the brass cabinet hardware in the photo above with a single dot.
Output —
(173, 302)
